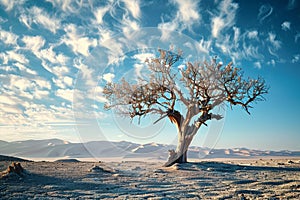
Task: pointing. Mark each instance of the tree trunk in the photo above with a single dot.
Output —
(184, 140)
(180, 155)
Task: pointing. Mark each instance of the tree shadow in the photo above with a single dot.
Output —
(31, 184)
(226, 167)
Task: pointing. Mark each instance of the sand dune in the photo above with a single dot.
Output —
(54, 148)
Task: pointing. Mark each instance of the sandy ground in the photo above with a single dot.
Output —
(231, 179)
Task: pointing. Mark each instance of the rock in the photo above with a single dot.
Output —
(15, 169)
(96, 168)
(67, 160)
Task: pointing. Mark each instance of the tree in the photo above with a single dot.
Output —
(204, 86)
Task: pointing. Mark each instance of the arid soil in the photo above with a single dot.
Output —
(236, 179)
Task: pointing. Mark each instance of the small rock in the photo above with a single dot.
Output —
(15, 169)
(291, 162)
(96, 168)
(209, 169)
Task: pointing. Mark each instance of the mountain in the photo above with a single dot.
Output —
(52, 148)
(10, 158)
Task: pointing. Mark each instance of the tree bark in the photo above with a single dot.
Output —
(184, 140)
(180, 155)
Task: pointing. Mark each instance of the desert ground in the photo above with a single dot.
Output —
(260, 178)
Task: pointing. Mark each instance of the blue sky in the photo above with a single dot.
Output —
(57, 55)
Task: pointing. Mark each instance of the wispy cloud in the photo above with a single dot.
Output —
(264, 12)
(286, 26)
(257, 65)
(133, 7)
(274, 42)
(140, 62)
(78, 42)
(129, 26)
(226, 17)
(108, 77)
(51, 56)
(217, 25)
(23, 68)
(12, 55)
(296, 58)
(41, 17)
(187, 15)
(10, 4)
(187, 11)
(252, 34)
(204, 46)
(67, 5)
(291, 4)
(100, 12)
(66, 94)
(33, 43)
(297, 36)
(8, 38)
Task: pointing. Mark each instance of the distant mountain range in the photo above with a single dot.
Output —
(52, 148)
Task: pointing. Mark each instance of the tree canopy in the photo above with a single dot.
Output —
(199, 86)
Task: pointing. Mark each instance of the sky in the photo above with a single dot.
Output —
(56, 56)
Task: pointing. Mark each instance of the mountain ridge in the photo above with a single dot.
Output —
(51, 148)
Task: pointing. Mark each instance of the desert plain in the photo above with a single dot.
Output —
(255, 178)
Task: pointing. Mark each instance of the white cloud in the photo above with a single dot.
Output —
(63, 81)
(8, 37)
(272, 39)
(33, 43)
(141, 57)
(204, 46)
(187, 10)
(86, 75)
(129, 26)
(286, 26)
(66, 94)
(115, 48)
(77, 42)
(26, 20)
(166, 28)
(51, 56)
(257, 65)
(68, 81)
(99, 14)
(5, 99)
(271, 62)
(10, 109)
(252, 34)
(133, 7)
(10, 4)
(226, 17)
(296, 58)
(186, 16)
(250, 51)
(13, 56)
(18, 82)
(22, 67)
(236, 36)
(41, 17)
(108, 77)
(41, 83)
(67, 5)
(217, 26)
(40, 94)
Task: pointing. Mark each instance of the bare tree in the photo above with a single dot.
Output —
(204, 86)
